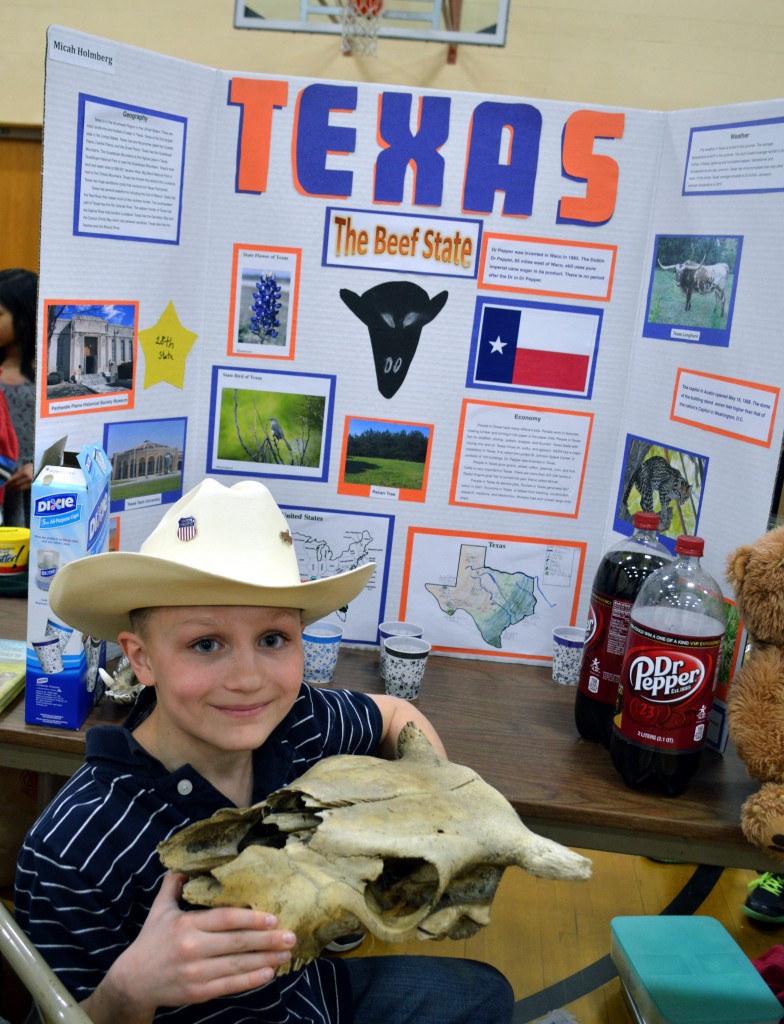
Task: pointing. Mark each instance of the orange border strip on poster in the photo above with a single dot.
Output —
(561, 243)
(719, 430)
(293, 300)
(578, 545)
(43, 372)
(363, 490)
(516, 508)
(114, 528)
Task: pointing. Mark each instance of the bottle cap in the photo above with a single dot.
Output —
(686, 545)
(646, 520)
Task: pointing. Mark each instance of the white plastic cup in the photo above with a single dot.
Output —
(405, 661)
(48, 564)
(394, 628)
(321, 646)
(568, 643)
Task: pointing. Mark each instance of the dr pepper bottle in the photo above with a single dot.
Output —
(622, 571)
(669, 674)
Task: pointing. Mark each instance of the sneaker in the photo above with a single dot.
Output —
(345, 943)
(765, 902)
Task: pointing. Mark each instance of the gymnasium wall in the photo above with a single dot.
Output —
(667, 55)
(664, 55)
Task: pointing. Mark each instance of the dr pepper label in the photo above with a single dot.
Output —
(667, 687)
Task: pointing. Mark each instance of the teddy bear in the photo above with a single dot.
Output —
(755, 705)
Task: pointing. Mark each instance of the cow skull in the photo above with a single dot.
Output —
(412, 848)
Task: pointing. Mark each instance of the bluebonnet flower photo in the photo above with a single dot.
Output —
(266, 305)
(263, 303)
(264, 300)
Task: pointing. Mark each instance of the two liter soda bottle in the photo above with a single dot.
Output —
(669, 674)
(622, 571)
(651, 657)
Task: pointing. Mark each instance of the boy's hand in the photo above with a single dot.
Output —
(183, 957)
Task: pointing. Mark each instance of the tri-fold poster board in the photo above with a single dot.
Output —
(463, 336)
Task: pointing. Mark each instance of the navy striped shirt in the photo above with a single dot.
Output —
(88, 871)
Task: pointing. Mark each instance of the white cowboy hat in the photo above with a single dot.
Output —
(217, 545)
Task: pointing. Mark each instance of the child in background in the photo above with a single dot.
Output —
(9, 451)
(18, 299)
(210, 613)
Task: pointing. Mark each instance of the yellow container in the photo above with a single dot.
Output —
(14, 549)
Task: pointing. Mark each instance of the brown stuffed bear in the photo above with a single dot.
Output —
(755, 707)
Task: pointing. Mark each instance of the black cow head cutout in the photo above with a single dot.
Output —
(394, 313)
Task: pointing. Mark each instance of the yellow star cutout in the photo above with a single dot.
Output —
(166, 346)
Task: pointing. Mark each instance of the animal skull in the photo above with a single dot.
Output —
(121, 686)
(412, 848)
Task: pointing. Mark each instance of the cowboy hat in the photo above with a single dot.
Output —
(216, 546)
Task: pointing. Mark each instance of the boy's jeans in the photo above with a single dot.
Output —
(428, 990)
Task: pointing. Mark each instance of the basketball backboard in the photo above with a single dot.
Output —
(482, 22)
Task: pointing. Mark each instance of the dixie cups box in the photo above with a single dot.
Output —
(69, 519)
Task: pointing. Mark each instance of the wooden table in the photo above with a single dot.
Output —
(515, 727)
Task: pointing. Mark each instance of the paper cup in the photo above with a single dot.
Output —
(568, 643)
(92, 651)
(405, 660)
(321, 646)
(50, 655)
(63, 633)
(394, 628)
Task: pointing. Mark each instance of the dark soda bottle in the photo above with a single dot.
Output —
(622, 571)
(669, 674)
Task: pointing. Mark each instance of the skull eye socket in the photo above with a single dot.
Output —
(404, 885)
(262, 834)
(276, 830)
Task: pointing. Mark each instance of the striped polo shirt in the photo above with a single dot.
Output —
(88, 871)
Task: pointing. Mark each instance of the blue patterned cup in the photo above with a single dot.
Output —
(321, 645)
(50, 654)
(568, 643)
(396, 628)
(405, 658)
(63, 633)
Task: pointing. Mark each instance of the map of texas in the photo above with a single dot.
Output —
(494, 599)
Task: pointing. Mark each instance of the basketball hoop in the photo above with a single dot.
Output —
(359, 21)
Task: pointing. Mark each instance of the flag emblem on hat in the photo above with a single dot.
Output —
(186, 528)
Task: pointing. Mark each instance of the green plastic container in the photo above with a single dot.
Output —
(688, 970)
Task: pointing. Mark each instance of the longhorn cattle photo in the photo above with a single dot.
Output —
(696, 277)
(692, 282)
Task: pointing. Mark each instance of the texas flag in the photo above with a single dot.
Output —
(537, 348)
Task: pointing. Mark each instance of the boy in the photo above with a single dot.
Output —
(209, 613)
